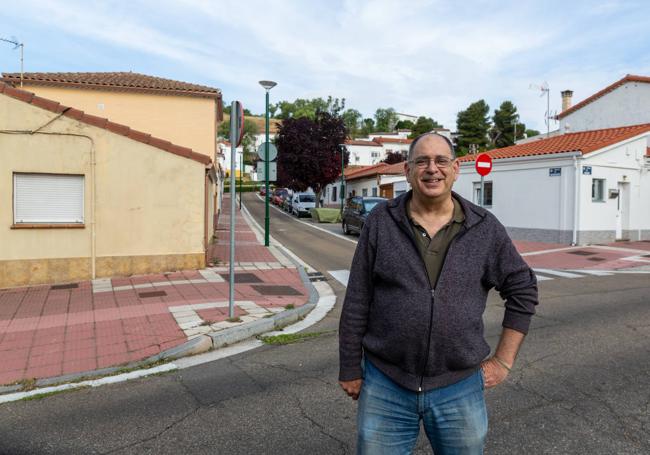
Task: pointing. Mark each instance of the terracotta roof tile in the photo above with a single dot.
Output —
(603, 92)
(583, 142)
(361, 142)
(374, 170)
(103, 123)
(390, 140)
(115, 81)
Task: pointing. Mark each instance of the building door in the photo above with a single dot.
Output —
(623, 211)
(386, 191)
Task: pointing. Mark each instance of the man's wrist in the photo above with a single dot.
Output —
(502, 363)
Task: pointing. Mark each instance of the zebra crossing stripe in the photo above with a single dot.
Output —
(342, 276)
(593, 272)
(559, 273)
(542, 277)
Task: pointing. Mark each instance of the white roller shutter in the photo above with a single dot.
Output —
(46, 198)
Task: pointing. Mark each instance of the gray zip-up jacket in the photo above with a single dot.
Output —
(424, 338)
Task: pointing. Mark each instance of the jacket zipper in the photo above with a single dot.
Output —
(433, 293)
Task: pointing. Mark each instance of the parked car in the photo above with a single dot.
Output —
(302, 203)
(263, 191)
(278, 195)
(356, 210)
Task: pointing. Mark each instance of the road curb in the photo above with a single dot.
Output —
(197, 345)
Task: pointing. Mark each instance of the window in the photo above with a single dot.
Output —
(48, 199)
(333, 194)
(364, 192)
(597, 190)
(374, 154)
(374, 191)
(487, 197)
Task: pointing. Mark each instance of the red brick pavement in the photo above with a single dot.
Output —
(47, 333)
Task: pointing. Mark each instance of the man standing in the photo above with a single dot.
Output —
(411, 332)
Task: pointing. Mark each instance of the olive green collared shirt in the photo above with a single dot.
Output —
(434, 249)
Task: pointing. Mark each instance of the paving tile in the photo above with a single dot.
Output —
(54, 358)
(9, 377)
(105, 349)
(44, 371)
(79, 354)
(112, 360)
(78, 366)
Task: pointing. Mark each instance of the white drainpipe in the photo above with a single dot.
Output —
(576, 200)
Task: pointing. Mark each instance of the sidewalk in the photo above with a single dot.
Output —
(68, 331)
(611, 256)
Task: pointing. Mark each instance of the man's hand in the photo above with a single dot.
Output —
(493, 372)
(352, 388)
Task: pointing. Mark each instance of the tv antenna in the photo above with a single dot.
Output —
(545, 90)
(17, 45)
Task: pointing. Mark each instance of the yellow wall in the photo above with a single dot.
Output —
(149, 204)
(182, 120)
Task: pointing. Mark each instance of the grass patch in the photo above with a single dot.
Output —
(290, 338)
(289, 306)
(40, 396)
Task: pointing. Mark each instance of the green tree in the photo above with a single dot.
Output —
(423, 125)
(473, 125)
(404, 125)
(367, 127)
(531, 133)
(307, 108)
(506, 125)
(352, 120)
(385, 119)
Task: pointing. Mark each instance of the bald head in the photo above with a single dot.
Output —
(431, 139)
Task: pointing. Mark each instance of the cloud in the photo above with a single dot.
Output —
(422, 57)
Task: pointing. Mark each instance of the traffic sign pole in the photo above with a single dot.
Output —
(483, 166)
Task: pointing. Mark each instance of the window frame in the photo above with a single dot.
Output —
(603, 186)
(477, 189)
(47, 224)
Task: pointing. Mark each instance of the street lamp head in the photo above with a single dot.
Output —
(268, 85)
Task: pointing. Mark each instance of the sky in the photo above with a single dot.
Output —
(420, 57)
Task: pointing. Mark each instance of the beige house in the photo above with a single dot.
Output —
(180, 112)
(84, 197)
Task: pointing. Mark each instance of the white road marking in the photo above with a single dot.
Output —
(313, 226)
(594, 272)
(559, 273)
(342, 276)
(542, 277)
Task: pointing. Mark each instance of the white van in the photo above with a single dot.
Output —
(302, 203)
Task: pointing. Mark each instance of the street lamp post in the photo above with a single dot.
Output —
(268, 85)
(342, 178)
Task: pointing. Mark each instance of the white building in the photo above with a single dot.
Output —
(580, 188)
(376, 180)
(625, 102)
(368, 152)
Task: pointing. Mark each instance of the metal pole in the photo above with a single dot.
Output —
(342, 182)
(548, 113)
(241, 172)
(266, 175)
(233, 161)
(22, 46)
(482, 192)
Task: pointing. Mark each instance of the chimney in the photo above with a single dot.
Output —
(566, 99)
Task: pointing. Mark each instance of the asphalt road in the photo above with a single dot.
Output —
(581, 384)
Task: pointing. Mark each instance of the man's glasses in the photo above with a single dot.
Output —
(424, 162)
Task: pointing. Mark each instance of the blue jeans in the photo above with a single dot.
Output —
(388, 419)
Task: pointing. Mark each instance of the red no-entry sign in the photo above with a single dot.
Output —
(483, 164)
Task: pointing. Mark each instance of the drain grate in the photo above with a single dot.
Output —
(316, 276)
(244, 278)
(596, 259)
(144, 295)
(582, 253)
(64, 286)
(646, 256)
(275, 290)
